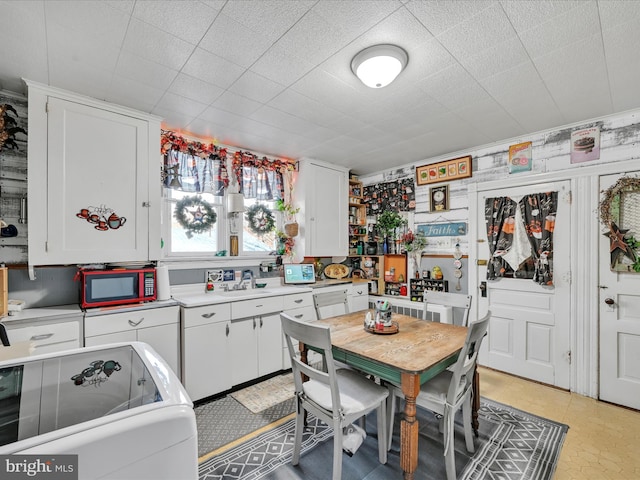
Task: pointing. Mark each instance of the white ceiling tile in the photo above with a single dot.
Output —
(439, 16)
(150, 42)
(237, 104)
(488, 28)
(72, 46)
(195, 89)
(212, 69)
(314, 39)
(328, 90)
(125, 6)
(233, 41)
(355, 18)
(271, 18)
(80, 78)
(176, 103)
(220, 117)
(280, 66)
(518, 78)
(95, 21)
(495, 59)
(205, 129)
(141, 96)
(144, 71)
(185, 19)
(286, 121)
(528, 15)
(256, 87)
(571, 26)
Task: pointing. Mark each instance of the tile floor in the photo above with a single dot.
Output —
(603, 440)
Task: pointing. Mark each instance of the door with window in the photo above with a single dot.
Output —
(619, 301)
(530, 303)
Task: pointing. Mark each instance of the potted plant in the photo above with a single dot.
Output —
(289, 212)
(386, 225)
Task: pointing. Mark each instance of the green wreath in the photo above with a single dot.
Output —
(203, 216)
(260, 219)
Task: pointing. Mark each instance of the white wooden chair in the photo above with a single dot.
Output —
(328, 299)
(447, 299)
(338, 397)
(449, 391)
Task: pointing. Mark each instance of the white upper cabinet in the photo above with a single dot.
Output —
(322, 194)
(93, 179)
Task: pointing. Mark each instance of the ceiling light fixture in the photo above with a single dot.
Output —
(379, 65)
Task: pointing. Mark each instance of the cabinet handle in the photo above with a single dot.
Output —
(43, 336)
(258, 306)
(254, 323)
(300, 315)
(298, 301)
(227, 332)
(208, 315)
(359, 292)
(261, 323)
(135, 324)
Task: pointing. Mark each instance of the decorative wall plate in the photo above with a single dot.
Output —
(336, 271)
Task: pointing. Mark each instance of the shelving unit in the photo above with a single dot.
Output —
(417, 286)
(395, 274)
(357, 217)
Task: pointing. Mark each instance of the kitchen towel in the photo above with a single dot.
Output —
(162, 279)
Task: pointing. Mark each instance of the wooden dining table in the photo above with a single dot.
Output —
(419, 351)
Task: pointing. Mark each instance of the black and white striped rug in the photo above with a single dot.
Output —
(512, 445)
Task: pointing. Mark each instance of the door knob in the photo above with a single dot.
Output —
(609, 301)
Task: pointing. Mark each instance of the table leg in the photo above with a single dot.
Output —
(476, 402)
(409, 426)
(302, 347)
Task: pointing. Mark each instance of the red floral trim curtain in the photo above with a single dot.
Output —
(193, 166)
(260, 178)
(520, 237)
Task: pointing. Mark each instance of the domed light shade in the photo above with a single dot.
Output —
(379, 65)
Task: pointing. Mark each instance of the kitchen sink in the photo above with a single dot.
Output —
(250, 292)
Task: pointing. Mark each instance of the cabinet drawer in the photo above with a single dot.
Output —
(49, 334)
(298, 300)
(119, 322)
(360, 289)
(304, 314)
(196, 316)
(256, 306)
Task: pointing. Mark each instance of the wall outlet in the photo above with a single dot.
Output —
(214, 275)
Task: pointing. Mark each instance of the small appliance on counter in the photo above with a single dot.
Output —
(118, 407)
(117, 286)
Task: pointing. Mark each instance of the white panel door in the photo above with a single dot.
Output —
(620, 314)
(530, 323)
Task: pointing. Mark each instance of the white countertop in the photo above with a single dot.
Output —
(49, 313)
(198, 297)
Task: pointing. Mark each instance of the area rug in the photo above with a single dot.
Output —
(512, 445)
(266, 394)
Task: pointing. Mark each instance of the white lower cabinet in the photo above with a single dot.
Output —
(359, 297)
(48, 330)
(300, 307)
(206, 369)
(255, 341)
(159, 327)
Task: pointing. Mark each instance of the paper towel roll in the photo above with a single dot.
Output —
(162, 281)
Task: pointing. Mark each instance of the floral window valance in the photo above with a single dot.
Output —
(260, 178)
(193, 166)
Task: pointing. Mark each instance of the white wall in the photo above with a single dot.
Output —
(620, 151)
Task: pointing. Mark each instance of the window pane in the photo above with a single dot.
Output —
(206, 241)
(252, 242)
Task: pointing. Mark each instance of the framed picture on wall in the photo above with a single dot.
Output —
(439, 198)
(444, 171)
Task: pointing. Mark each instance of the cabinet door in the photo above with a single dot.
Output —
(359, 298)
(164, 340)
(206, 362)
(269, 344)
(243, 350)
(97, 181)
(325, 200)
